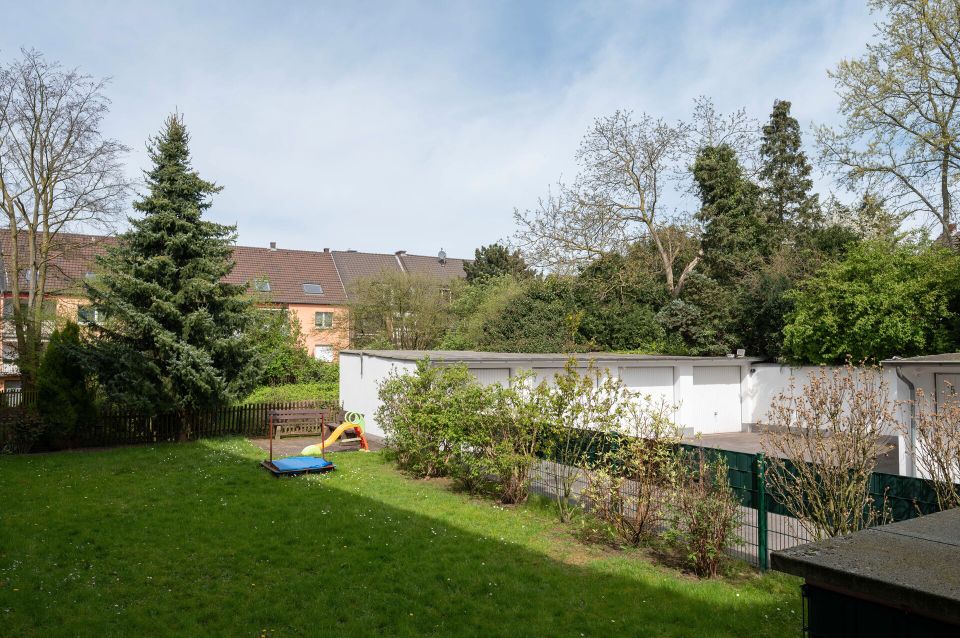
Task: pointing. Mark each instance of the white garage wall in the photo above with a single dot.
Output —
(360, 379)
(491, 376)
(766, 381)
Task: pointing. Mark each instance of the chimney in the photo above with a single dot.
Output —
(273, 246)
(442, 257)
(400, 253)
(326, 250)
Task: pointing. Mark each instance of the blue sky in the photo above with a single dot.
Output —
(415, 126)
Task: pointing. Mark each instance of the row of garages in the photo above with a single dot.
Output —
(712, 395)
(706, 390)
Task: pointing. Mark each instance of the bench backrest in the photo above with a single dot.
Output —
(297, 421)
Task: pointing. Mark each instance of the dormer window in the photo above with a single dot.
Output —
(261, 285)
(312, 289)
(90, 275)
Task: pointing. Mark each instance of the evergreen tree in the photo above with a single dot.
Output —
(173, 334)
(785, 171)
(65, 394)
(736, 237)
(495, 260)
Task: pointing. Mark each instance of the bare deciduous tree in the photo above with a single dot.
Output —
(901, 139)
(822, 443)
(936, 447)
(628, 165)
(57, 171)
(405, 310)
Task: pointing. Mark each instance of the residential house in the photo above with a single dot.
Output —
(314, 285)
(304, 282)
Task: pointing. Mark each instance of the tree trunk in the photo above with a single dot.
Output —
(947, 230)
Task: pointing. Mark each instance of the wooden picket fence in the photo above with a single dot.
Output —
(121, 427)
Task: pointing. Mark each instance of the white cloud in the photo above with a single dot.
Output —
(398, 126)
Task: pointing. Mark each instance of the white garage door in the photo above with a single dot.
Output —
(548, 374)
(715, 404)
(490, 376)
(656, 382)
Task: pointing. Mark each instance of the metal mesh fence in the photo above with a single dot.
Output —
(764, 524)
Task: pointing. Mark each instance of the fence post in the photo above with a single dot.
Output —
(762, 558)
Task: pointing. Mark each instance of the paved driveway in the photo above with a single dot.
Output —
(752, 442)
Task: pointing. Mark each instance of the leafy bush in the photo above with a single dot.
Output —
(881, 300)
(506, 439)
(327, 393)
(520, 431)
(703, 513)
(283, 356)
(430, 415)
(628, 487)
(583, 408)
(20, 430)
(64, 390)
(441, 421)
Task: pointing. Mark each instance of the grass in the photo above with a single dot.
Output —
(195, 539)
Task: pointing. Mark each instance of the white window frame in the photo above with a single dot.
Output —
(319, 325)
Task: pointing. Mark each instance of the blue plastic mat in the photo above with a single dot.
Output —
(301, 463)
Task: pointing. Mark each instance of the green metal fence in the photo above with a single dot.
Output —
(902, 497)
(765, 524)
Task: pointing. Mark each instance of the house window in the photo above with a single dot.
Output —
(312, 289)
(323, 353)
(87, 314)
(323, 320)
(261, 285)
(8, 308)
(9, 353)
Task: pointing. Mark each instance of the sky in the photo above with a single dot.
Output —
(417, 126)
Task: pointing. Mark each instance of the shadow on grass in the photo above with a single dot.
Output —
(195, 539)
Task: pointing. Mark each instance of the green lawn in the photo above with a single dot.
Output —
(195, 539)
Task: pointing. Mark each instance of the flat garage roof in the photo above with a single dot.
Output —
(468, 356)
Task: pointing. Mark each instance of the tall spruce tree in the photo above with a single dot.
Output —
(735, 236)
(171, 333)
(785, 171)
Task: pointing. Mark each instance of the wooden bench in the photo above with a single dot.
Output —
(297, 421)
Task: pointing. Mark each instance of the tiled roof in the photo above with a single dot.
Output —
(70, 259)
(354, 266)
(287, 271)
(432, 267)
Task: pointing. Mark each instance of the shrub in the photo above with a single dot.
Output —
(519, 431)
(935, 445)
(822, 444)
(430, 416)
(20, 430)
(703, 513)
(283, 356)
(881, 300)
(65, 393)
(627, 488)
(581, 409)
(326, 393)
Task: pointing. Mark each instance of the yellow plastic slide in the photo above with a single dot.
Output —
(354, 422)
